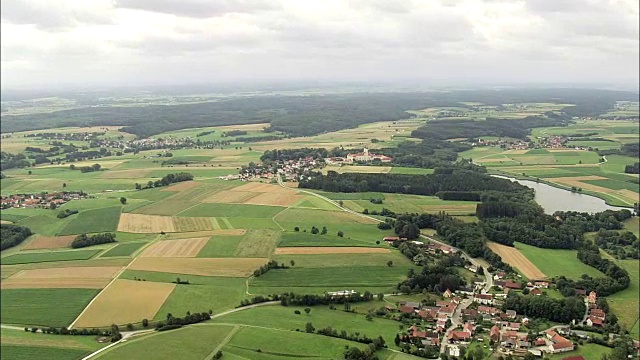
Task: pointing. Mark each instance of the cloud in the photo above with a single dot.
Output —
(147, 41)
(199, 8)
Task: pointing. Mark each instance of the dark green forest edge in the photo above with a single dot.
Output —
(306, 115)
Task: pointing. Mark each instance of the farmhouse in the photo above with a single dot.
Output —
(366, 156)
(485, 299)
(594, 321)
(592, 298)
(598, 313)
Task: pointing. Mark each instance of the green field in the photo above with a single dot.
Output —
(193, 342)
(203, 293)
(123, 249)
(37, 257)
(93, 221)
(411, 171)
(19, 352)
(220, 246)
(557, 262)
(43, 307)
(625, 304)
(589, 351)
(293, 238)
(231, 211)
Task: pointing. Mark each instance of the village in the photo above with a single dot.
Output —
(40, 200)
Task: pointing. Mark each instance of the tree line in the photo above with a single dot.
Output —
(83, 240)
(12, 235)
(166, 180)
(178, 322)
(66, 213)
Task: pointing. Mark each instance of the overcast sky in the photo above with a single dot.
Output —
(54, 43)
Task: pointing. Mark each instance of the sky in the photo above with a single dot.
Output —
(66, 43)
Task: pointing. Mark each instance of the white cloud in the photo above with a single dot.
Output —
(159, 41)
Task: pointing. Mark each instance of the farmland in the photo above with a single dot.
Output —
(557, 262)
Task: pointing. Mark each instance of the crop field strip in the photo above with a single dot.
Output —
(232, 267)
(49, 242)
(175, 248)
(75, 277)
(514, 257)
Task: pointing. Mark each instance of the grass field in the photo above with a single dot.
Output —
(20, 352)
(557, 262)
(37, 257)
(292, 238)
(220, 246)
(194, 342)
(123, 249)
(625, 304)
(93, 221)
(588, 351)
(231, 211)
(43, 307)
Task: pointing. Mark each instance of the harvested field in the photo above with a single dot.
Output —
(182, 186)
(140, 223)
(186, 224)
(328, 250)
(208, 233)
(231, 267)
(262, 188)
(176, 248)
(513, 257)
(5, 222)
(50, 242)
(115, 305)
(579, 178)
(277, 199)
(126, 174)
(69, 277)
(229, 197)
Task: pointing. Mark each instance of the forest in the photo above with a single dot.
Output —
(430, 185)
(619, 244)
(83, 240)
(12, 235)
(558, 310)
(303, 115)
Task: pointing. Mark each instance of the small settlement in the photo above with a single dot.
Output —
(40, 200)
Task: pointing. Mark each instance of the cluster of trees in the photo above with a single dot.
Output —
(205, 133)
(12, 235)
(437, 277)
(457, 180)
(66, 212)
(83, 240)
(632, 169)
(520, 128)
(272, 264)
(166, 180)
(619, 244)
(616, 279)
(234, 133)
(113, 333)
(287, 299)
(86, 169)
(178, 322)
(630, 149)
(12, 161)
(429, 153)
(295, 154)
(459, 195)
(253, 139)
(558, 310)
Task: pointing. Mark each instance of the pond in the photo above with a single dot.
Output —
(554, 199)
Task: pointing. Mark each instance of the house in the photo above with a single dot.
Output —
(535, 292)
(550, 333)
(431, 341)
(411, 304)
(499, 283)
(594, 321)
(390, 239)
(448, 310)
(499, 276)
(494, 334)
(512, 326)
(510, 334)
(469, 313)
(453, 350)
(488, 310)
(539, 342)
(456, 336)
(511, 314)
(468, 328)
(597, 313)
(407, 309)
(541, 284)
(485, 299)
(523, 344)
(563, 346)
(512, 285)
(447, 294)
(592, 297)
(509, 344)
(365, 155)
(467, 290)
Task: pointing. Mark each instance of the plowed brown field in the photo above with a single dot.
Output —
(514, 257)
(176, 248)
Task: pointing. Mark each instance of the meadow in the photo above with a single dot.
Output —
(39, 257)
(125, 249)
(625, 304)
(557, 262)
(43, 307)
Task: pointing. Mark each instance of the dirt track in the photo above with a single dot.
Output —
(513, 257)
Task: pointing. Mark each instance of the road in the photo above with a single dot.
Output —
(488, 276)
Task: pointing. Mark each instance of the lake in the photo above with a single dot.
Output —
(554, 199)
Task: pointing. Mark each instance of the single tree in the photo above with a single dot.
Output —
(380, 296)
(123, 200)
(340, 233)
(64, 185)
(296, 229)
(309, 328)
(389, 263)
(307, 310)
(324, 230)
(145, 322)
(293, 263)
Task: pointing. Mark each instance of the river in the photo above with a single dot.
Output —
(554, 199)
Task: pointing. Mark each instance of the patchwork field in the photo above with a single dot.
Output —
(139, 223)
(515, 258)
(175, 248)
(116, 305)
(236, 267)
(329, 250)
(71, 277)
